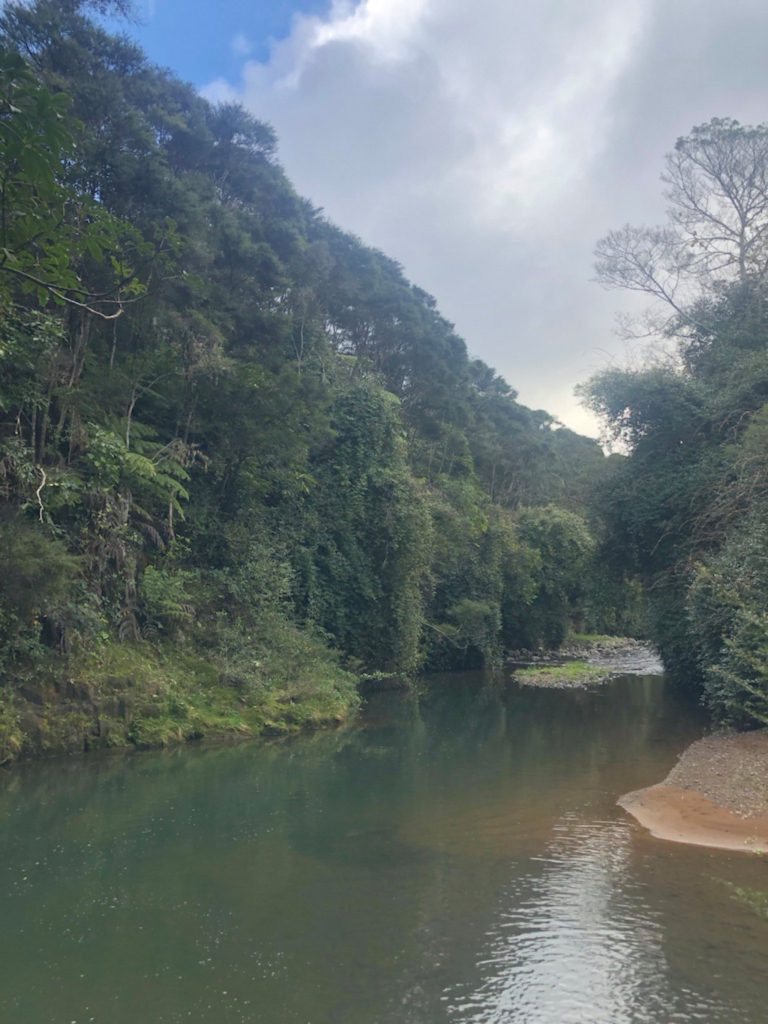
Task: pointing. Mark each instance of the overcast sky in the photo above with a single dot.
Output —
(485, 145)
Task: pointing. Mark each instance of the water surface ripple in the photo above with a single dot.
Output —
(456, 857)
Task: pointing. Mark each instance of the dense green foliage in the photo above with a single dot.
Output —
(230, 429)
(687, 511)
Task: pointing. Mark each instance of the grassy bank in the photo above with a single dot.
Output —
(151, 695)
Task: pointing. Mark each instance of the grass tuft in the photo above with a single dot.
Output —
(570, 674)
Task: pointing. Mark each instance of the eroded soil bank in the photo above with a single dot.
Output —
(716, 795)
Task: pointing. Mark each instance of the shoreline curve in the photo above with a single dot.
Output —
(716, 795)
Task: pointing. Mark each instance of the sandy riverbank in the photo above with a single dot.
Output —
(716, 795)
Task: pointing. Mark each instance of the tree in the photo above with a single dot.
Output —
(717, 187)
(685, 511)
(47, 229)
(563, 545)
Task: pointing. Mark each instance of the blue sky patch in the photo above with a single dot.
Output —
(201, 40)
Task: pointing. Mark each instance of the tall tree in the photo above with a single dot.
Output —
(717, 186)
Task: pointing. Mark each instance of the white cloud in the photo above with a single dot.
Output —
(240, 45)
(387, 26)
(488, 145)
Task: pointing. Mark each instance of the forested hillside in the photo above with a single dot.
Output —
(243, 461)
(688, 511)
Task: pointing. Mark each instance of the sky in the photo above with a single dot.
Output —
(486, 146)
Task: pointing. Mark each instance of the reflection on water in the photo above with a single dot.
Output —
(577, 943)
(456, 857)
(570, 945)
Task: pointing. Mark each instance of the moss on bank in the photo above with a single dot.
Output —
(151, 695)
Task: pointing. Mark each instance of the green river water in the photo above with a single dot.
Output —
(455, 856)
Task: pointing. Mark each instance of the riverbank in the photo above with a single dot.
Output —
(585, 661)
(716, 795)
(142, 695)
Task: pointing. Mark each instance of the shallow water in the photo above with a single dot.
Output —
(456, 857)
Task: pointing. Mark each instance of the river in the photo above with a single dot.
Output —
(455, 856)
